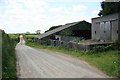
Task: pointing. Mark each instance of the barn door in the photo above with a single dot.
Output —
(105, 30)
(101, 36)
(108, 30)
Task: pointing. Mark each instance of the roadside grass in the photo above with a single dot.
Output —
(8, 56)
(107, 61)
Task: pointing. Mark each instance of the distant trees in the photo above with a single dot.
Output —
(109, 8)
(53, 27)
(27, 32)
(38, 31)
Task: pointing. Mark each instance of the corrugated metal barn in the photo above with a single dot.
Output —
(77, 29)
(106, 28)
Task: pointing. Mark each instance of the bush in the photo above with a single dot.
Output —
(103, 48)
(98, 49)
(8, 57)
(116, 46)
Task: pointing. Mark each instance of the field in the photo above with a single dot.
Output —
(27, 37)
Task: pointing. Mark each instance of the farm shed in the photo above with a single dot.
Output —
(106, 28)
(76, 29)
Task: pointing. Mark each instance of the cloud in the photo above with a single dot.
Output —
(95, 11)
(31, 15)
(22, 15)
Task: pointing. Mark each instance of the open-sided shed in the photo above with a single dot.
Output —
(76, 29)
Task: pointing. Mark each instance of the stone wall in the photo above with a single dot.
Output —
(68, 38)
(70, 45)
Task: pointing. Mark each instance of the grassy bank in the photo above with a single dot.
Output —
(106, 61)
(8, 56)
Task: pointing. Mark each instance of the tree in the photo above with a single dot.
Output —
(53, 27)
(27, 32)
(38, 31)
(109, 8)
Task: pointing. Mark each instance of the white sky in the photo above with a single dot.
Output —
(20, 16)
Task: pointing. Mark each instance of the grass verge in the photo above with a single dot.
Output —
(107, 61)
(8, 57)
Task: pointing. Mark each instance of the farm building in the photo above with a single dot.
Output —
(80, 29)
(106, 28)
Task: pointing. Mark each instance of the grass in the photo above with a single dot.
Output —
(106, 61)
(25, 35)
(30, 35)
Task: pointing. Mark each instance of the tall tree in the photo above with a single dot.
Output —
(109, 8)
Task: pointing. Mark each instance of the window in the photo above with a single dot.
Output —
(104, 31)
(95, 32)
(117, 31)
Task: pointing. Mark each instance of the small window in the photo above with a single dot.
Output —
(104, 31)
(95, 32)
(117, 31)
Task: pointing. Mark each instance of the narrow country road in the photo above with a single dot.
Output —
(39, 63)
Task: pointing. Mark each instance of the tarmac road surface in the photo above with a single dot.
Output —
(40, 63)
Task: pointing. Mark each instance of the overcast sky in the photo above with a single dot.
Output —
(20, 16)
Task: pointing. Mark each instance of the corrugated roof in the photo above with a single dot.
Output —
(56, 30)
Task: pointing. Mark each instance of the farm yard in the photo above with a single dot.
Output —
(105, 60)
(77, 45)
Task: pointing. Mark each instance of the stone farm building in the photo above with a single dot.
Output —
(81, 29)
(106, 28)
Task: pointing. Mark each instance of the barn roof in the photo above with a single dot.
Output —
(57, 30)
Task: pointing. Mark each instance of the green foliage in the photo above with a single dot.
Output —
(66, 32)
(114, 46)
(38, 31)
(109, 8)
(8, 57)
(29, 37)
(107, 61)
(14, 37)
(53, 27)
(82, 25)
(98, 49)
